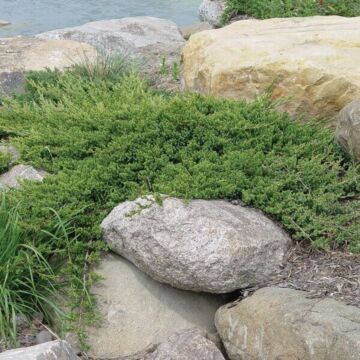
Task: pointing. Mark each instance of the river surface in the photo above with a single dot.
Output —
(30, 17)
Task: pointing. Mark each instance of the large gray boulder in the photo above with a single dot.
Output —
(18, 173)
(211, 11)
(54, 350)
(139, 312)
(186, 345)
(20, 55)
(278, 323)
(210, 246)
(146, 38)
(348, 129)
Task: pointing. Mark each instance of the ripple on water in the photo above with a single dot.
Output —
(30, 17)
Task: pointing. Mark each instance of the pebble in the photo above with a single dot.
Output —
(4, 23)
(43, 336)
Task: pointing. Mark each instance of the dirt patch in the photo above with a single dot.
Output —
(334, 275)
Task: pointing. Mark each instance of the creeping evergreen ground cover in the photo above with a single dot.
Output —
(108, 141)
(266, 9)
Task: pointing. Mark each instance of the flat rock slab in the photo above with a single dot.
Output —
(139, 312)
(279, 323)
(18, 173)
(20, 54)
(204, 245)
(313, 62)
(144, 37)
(54, 350)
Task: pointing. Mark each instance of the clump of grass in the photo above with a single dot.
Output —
(266, 9)
(26, 278)
(5, 160)
(105, 66)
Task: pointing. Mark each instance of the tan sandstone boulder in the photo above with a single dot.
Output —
(313, 61)
(278, 323)
(20, 54)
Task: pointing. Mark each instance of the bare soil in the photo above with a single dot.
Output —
(322, 274)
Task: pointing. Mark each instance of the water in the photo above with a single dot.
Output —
(30, 17)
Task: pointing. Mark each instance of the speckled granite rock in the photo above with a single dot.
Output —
(211, 246)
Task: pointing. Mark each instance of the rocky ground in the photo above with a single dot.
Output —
(220, 265)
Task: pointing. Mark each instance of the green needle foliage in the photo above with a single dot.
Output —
(266, 9)
(4, 162)
(26, 278)
(109, 141)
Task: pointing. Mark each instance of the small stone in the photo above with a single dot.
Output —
(43, 336)
(38, 318)
(4, 23)
(211, 11)
(348, 129)
(188, 344)
(11, 178)
(21, 321)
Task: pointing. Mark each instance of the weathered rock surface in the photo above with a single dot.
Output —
(210, 246)
(139, 312)
(277, 323)
(312, 61)
(43, 336)
(187, 31)
(55, 350)
(211, 11)
(18, 173)
(18, 55)
(186, 345)
(147, 38)
(11, 151)
(348, 129)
